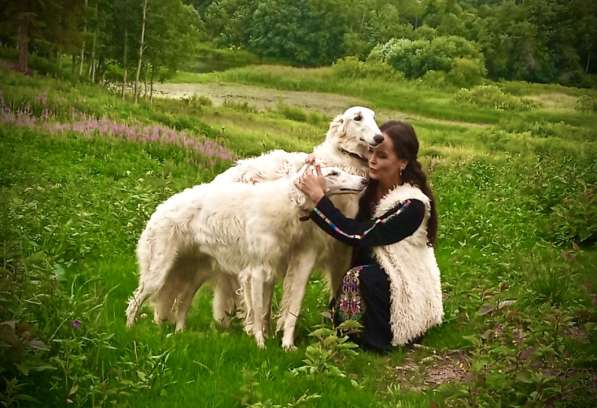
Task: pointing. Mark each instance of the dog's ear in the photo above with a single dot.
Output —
(337, 127)
(298, 198)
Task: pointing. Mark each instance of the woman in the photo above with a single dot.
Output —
(393, 286)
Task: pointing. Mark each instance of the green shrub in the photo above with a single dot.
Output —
(586, 103)
(351, 67)
(451, 54)
(210, 58)
(197, 102)
(466, 72)
(292, 113)
(575, 219)
(436, 79)
(491, 96)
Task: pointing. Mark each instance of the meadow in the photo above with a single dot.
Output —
(514, 169)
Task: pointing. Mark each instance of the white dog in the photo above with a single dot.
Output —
(244, 230)
(346, 146)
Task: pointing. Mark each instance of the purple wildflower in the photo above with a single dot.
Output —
(76, 324)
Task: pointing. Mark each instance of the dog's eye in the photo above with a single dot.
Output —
(334, 173)
(358, 117)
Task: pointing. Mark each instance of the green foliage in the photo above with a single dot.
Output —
(322, 357)
(571, 219)
(466, 72)
(456, 56)
(353, 68)
(292, 112)
(586, 103)
(491, 96)
(209, 58)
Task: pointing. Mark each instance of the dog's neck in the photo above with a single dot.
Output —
(353, 155)
(331, 154)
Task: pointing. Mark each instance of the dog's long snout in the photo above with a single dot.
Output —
(378, 139)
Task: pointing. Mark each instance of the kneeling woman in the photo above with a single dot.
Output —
(393, 286)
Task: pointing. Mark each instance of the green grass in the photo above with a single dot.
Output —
(510, 197)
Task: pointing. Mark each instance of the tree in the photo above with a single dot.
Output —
(52, 24)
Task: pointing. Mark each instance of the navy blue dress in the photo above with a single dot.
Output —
(393, 226)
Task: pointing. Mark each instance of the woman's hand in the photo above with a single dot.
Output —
(312, 183)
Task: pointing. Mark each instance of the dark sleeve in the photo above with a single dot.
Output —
(395, 225)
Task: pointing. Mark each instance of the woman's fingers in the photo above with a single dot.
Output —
(318, 170)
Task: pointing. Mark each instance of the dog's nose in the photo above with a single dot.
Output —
(364, 182)
(378, 139)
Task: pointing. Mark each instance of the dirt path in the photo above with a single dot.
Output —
(267, 98)
(261, 98)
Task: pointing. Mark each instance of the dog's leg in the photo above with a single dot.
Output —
(163, 301)
(257, 301)
(150, 280)
(224, 299)
(268, 291)
(193, 275)
(299, 269)
(246, 289)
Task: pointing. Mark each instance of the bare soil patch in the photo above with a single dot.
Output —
(262, 98)
(429, 372)
(266, 98)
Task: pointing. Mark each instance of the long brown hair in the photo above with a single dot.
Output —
(406, 147)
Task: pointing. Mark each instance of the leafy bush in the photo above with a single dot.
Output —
(575, 219)
(402, 54)
(197, 102)
(466, 72)
(451, 54)
(436, 79)
(352, 68)
(586, 103)
(491, 96)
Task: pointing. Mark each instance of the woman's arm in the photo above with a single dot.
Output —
(395, 225)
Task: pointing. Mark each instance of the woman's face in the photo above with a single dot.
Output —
(384, 165)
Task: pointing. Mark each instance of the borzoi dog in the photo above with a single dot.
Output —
(346, 146)
(241, 229)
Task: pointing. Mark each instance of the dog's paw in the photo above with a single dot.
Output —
(280, 324)
(260, 340)
(289, 347)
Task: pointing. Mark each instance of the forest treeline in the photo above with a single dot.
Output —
(139, 41)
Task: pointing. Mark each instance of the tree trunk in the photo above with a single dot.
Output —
(124, 62)
(140, 50)
(23, 42)
(145, 81)
(93, 61)
(151, 84)
(588, 64)
(84, 41)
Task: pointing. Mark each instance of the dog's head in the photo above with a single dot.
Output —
(337, 182)
(354, 132)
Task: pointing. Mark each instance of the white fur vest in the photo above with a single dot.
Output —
(415, 289)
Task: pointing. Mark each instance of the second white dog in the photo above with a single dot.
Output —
(239, 229)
